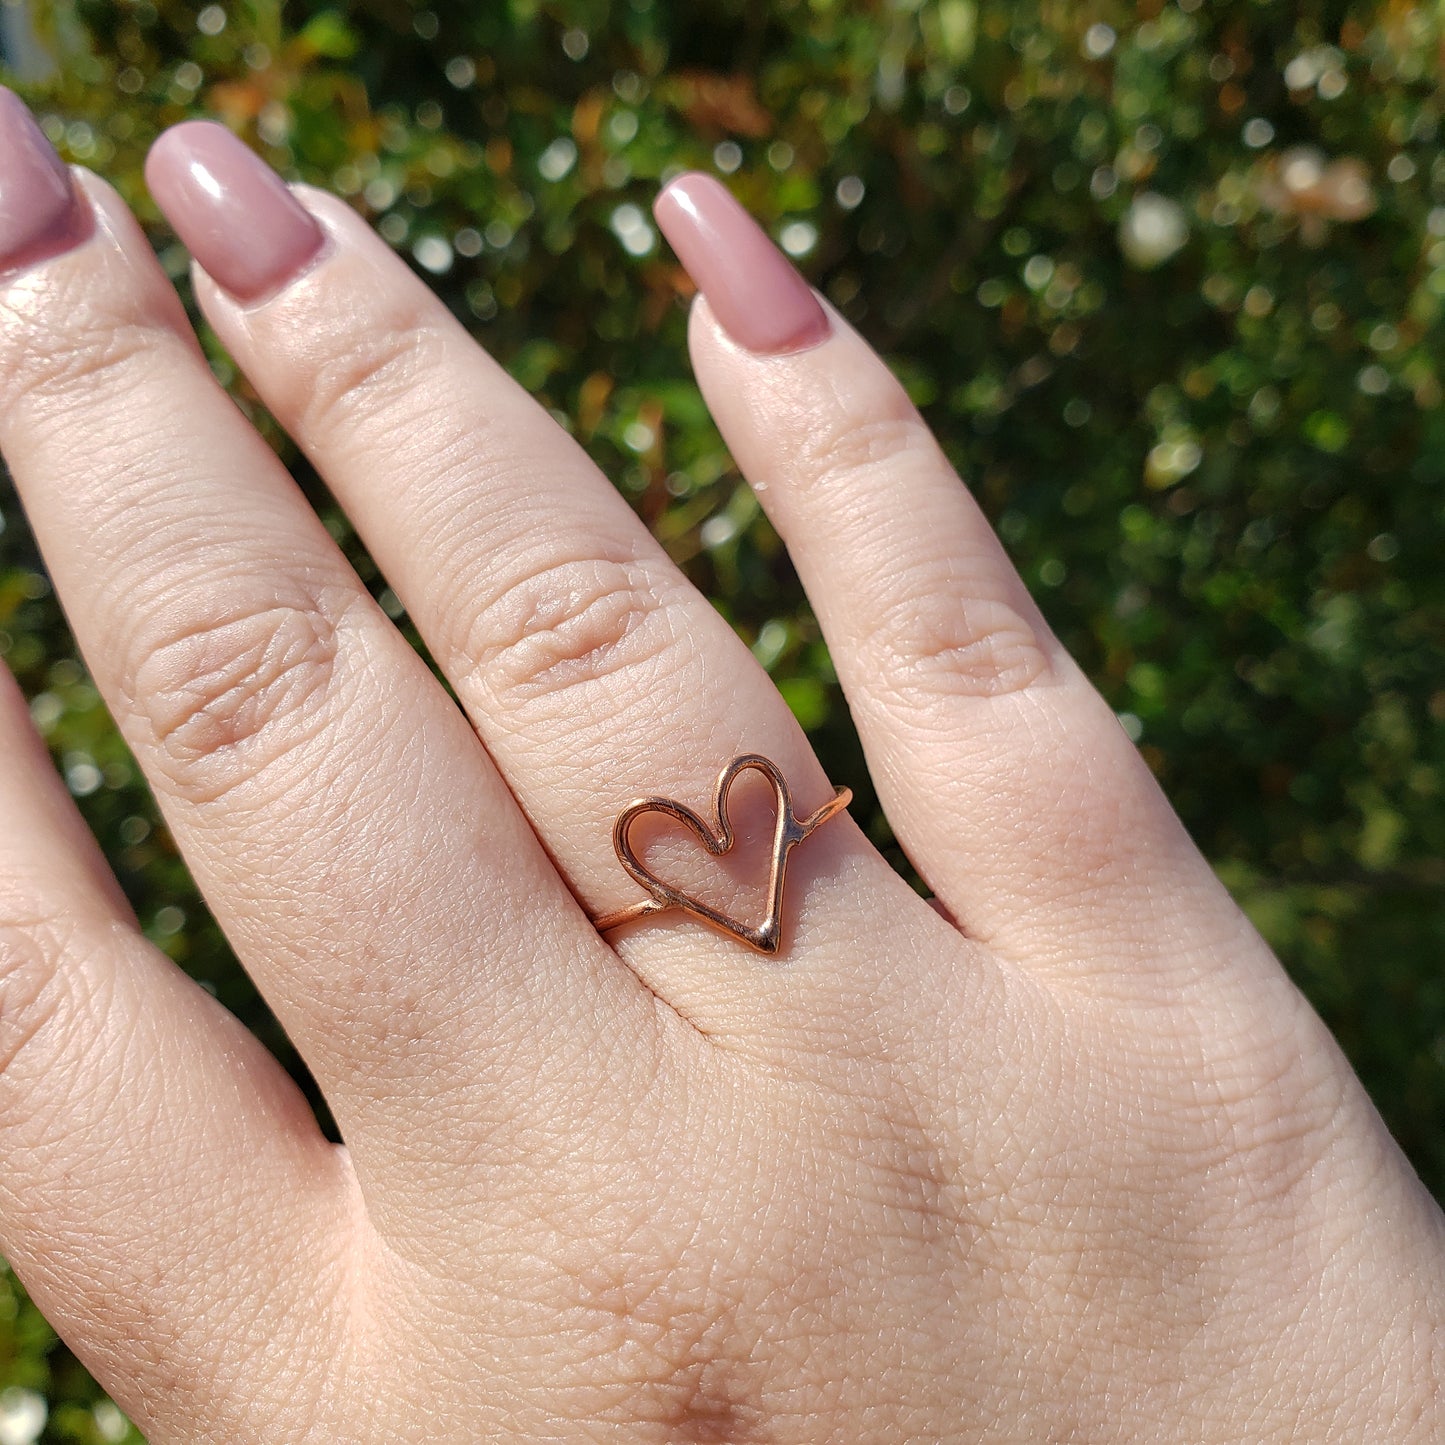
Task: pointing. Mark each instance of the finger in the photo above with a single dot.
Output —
(335, 807)
(593, 671)
(147, 1141)
(1004, 774)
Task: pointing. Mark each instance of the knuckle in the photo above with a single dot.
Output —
(101, 348)
(228, 693)
(936, 643)
(31, 947)
(655, 1356)
(368, 369)
(891, 430)
(573, 627)
(931, 636)
(95, 319)
(1285, 1100)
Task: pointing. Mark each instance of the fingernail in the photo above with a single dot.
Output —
(40, 212)
(232, 211)
(756, 295)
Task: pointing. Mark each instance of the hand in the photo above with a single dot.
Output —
(1082, 1166)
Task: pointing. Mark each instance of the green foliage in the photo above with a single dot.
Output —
(1167, 280)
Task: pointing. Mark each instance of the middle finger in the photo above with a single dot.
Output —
(314, 773)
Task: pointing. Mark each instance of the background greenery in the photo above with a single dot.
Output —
(1167, 278)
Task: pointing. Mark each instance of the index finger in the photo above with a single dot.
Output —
(147, 1141)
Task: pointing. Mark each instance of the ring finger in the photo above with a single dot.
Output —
(591, 668)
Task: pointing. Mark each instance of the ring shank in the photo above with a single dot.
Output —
(608, 921)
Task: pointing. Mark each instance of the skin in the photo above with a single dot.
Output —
(1081, 1167)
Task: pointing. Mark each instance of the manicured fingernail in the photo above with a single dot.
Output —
(756, 295)
(40, 213)
(234, 213)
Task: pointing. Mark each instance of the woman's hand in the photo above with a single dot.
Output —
(1082, 1167)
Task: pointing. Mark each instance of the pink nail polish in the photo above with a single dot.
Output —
(754, 292)
(233, 212)
(41, 214)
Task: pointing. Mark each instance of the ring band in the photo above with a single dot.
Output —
(789, 831)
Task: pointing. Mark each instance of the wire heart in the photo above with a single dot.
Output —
(788, 832)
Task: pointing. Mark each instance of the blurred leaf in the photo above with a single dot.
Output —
(328, 35)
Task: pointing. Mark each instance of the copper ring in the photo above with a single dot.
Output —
(789, 831)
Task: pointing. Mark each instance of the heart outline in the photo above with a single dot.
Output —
(788, 831)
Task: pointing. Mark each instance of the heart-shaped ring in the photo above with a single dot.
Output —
(789, 831)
